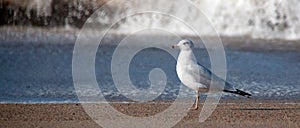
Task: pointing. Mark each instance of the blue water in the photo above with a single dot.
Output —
(43, 73)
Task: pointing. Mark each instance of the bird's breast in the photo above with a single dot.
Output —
(184, 73)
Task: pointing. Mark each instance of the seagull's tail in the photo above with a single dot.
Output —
(239, 92)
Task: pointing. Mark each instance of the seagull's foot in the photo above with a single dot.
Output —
(194, 108)
(196, 102)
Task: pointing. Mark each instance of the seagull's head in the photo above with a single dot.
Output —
(184, 45)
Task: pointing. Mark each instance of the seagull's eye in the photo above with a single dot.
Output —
(184, 43)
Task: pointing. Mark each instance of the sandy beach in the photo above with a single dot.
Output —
(230, 113)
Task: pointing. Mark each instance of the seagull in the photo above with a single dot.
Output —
(196, 76)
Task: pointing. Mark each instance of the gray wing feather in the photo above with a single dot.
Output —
(205, 77)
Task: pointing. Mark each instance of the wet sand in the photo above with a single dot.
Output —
(230, 113)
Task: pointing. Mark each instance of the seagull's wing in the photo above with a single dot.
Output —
(204, 76)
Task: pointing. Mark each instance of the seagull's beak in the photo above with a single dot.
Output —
(174, 46)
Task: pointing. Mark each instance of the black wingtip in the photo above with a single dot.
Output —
(242, 93)
(239, 92)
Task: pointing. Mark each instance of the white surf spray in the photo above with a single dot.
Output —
(263, 19)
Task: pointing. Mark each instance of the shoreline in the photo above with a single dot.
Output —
(223, 101)
(244, 113)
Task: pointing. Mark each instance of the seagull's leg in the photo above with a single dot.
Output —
(197, 101)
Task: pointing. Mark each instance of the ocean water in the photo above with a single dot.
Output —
(36, 54)
(42, 73)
